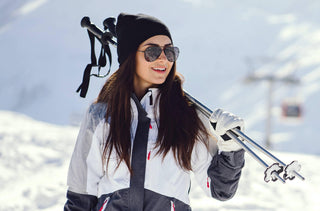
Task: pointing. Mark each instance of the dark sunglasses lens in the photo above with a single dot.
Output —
(171, 53)
(152, 53)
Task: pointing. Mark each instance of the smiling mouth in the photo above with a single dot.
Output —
(157, 69)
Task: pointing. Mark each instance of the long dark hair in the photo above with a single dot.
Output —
(179, 126)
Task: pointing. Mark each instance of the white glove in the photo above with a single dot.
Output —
(223, 121)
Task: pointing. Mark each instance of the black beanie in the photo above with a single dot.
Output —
(132, 30)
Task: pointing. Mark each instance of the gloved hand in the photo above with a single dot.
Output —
(221, 122)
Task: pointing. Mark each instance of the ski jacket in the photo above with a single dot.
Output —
(96, 186)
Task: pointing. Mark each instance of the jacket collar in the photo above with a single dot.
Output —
(148, 101)
(150, 97)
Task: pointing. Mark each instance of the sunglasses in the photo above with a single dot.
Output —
(152, 53)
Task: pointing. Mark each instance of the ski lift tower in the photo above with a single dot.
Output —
(271, 79)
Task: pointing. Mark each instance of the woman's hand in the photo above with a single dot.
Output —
(223, 121)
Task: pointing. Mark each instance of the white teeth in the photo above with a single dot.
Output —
(160, 69)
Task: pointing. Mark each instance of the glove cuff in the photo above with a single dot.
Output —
(228, 146)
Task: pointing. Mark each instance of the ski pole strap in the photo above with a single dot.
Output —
(93, 54)
(105, 49)
(108, 52)
(85, 81)
(87, 71)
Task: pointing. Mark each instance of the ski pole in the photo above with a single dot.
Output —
(207, 112)
(104, 36)
(261, 149)
(272, 171)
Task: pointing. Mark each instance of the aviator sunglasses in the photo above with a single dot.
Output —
(152, 53)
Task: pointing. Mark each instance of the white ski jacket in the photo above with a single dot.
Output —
(166, 184)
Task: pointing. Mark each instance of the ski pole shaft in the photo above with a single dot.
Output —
(207, 112)
(247, 149)
(261, 149)
(234, 132)
(298, 175)
(254, 155)
(257, 146)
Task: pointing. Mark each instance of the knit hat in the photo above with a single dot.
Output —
(132, 30)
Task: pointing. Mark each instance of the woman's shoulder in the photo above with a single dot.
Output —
(97, 110)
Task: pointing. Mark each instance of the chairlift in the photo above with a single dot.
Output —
(291, 108)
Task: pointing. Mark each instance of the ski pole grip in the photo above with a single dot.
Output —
(104, 37)
(110, 24)
(86, 23)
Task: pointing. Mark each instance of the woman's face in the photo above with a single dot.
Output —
(151, 74)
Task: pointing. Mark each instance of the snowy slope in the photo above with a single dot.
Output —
(34, 158)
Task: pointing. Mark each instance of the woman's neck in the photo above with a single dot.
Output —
(140, 92)
(140, 88)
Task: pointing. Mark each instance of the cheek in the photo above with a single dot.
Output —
(171, 65)
(141, 63)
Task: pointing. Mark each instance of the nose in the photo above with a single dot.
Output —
(162, 55)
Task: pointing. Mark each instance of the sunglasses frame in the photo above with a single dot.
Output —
(175, 51)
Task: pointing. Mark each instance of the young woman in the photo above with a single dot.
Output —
(141, 139)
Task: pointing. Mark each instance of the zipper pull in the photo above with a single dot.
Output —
(172, 206)
(151, 99)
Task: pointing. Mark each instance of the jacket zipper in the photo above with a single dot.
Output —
(172, 206)
(104, 206)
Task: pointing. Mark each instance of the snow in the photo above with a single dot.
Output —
(44, 52)
(255, 194)
(34, 158)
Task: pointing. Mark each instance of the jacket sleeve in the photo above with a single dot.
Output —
(224, 173)
(85, 170)
(80, 202)
(217, 173)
